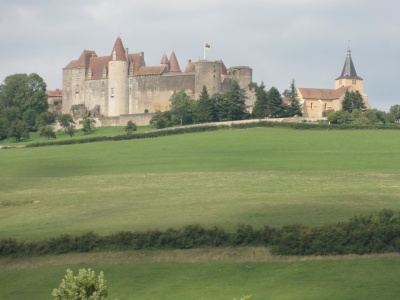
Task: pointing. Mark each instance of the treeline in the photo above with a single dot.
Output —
(359, 235)
(227, 106)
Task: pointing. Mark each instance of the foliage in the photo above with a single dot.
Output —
(48, 132)
(181, 105)
(294, 107)
(66, 121)
(24, 92)
(235, 102)
(130, 127)
(275, 103)
(260, 109)
(161, 120)
(353, 101)
(29, 117)
(84, 286)
(18, 130)
(395, 110)
(204, 110)
(87, 124)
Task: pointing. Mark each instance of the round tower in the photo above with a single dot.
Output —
(242, 74)
(118, 103)
(208, 73)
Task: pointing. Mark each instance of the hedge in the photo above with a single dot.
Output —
(360, 235)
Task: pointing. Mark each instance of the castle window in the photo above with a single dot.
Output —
(112, 92)
(77, 88)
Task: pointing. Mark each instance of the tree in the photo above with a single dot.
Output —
(66, 121)
(48, 132)
(70, 130)
(294, 108)
(24, 91)
(130, 127)
(353, 100)
(181, 105)
(161, 120)
(221, 106)
(17, 130)
(235, 98)
(395, 110)
(87, 124)
(275, 103)
(84, 286)
(260, 109)
(204, 110)
(29, 117)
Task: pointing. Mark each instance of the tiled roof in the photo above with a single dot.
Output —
(349, 71)
(70, 65)
(173, 63)
(119, 50)
(224, 70)
(322, 94)
(97, 66)
(164, 59)
(54, 93)
(158, 70)
(84, 60)
(190, 68)
(137, 60)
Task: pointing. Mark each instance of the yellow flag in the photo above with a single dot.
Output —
(207, 46)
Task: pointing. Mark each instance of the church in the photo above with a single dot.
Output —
(121, 84)
(317, 101)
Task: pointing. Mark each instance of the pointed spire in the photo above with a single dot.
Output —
(173, 63)
(164, 60)
(118, 52)
(349, 71)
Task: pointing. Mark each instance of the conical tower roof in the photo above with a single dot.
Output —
(164, 59)
(349, 71)
(119, 50)
(173, 63)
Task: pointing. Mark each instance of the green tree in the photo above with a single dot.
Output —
(353, 100)
(18, 130)
(294, 108)
(204, 110)
(48, 132)
(85, 286)
(29, 117)
(66, 121)
(260, 109)
(70, 130)
(339, 117)
(275, 103)
(130, 127)
(87, 124)
(221, 106)
(24, 91)
(235, 98)
(161, 120)
(395, 110)
(181, 105)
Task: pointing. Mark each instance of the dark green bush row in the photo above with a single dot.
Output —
(360, 235)
(131, 136)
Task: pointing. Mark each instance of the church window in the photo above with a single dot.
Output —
(112, 92)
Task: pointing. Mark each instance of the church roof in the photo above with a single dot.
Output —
(119, 50)
(349, 71)
(173, 63)
(322, 94)
(164, 59)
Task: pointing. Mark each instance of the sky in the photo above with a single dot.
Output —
(304, 40)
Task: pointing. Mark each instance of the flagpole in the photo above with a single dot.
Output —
(204, 49)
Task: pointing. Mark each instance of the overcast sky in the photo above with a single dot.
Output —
(305, 40)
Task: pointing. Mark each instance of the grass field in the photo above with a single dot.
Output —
(97, 131)
(256, 176)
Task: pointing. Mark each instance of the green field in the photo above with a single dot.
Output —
(262, 176)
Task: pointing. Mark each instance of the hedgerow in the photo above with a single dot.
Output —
(359, 235)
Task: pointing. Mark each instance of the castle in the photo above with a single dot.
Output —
(121, 84)
(317, 101)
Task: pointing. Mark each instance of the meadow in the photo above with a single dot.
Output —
(261, 176)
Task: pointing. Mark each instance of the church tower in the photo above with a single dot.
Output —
(118, 80)
(349, 77)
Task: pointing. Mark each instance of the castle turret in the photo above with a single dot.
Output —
(118, 80)
(164, 61)
(208, 73)
(243, 75)
(173, 63)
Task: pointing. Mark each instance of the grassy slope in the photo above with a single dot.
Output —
(374, 278)
(255, 176)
